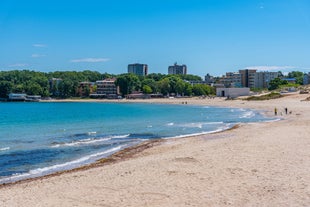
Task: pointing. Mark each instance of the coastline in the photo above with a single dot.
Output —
(226, 168)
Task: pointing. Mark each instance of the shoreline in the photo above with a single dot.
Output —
(30, 177)
(235, 167)
(118, 156)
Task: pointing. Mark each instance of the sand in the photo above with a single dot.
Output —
(261, 164)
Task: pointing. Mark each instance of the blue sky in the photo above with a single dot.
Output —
(209, 36)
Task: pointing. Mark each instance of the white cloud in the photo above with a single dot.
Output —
(267, 68)
(18, 65)
(90, 60)
(37, 55)
(39, 45)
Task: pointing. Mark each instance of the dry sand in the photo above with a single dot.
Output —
(261, 164)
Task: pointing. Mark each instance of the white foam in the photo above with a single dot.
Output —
(220, 129)
(81, 142)
(120, 136)
(170, 124)
(4, 148)
(247, 114)
(199, 124)
(273, 120)
(60, 167)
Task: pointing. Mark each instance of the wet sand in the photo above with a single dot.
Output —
(261, 164)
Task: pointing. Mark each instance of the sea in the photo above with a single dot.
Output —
(38, 139)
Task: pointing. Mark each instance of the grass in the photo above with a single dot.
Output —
(272, 95)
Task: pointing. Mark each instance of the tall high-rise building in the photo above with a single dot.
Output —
(177, 69)
(262, 79)
(247, 77)
(138, 69)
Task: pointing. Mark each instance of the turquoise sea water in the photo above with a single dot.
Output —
(40, 138)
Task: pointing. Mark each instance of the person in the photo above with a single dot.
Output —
(275, 111)
(285, 110)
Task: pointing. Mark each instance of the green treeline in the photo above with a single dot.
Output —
(44, 84)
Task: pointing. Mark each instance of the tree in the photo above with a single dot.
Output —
(164, 86)
(66, 88)
(188, 89)
(34, 88)
(5, 88)
(276, 83)
(151, 83)
(156, 76)
(202, 89)
(180, 87)
(147, 89)
(297, 75)
(198, 90)
(190, 77)
(128, 82)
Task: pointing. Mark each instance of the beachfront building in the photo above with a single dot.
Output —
(107, 88)
(262, 79)
(247, 77)
(85, 88)
(233, 80)
(23, 97)
(177, 69)
(232, 92)
(17, 97)
(138, 69)
(230, 80)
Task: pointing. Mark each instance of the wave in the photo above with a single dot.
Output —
(88, 141)
(4, 148)
(219, 129)
(272, 120)
(80, 142)
(61, 167)
(199, 124)
(120, 136)
(145, 135)
(247, 114)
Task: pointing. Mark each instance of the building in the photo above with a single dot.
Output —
(23, 97)
(232, 92)
(232, 80)
(138, 69)
(209, 79)
(54, 83)
(290, 80)
(247, 77)
(195, 82)
(107, 88)
(306, 79)
(85, 88)
(17, 97)
(177, 69)
(262, 79)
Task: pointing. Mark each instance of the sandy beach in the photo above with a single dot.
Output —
(259, 164)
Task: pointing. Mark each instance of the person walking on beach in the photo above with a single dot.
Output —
(286, 110)
(275, 111)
